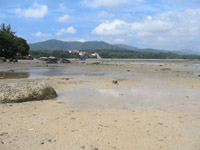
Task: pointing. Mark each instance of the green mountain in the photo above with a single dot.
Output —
(139, 49)
(61, 45)
(94, 45)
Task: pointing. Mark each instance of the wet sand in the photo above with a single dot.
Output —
(154, 105)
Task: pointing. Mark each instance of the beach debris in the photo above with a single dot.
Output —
(3, 133)
(165, 69)
(65, 78)
(93, 147)
(46, 141)
(30, 129)
(95, 63)
(115, 82)
(61, 102)
(83, 147)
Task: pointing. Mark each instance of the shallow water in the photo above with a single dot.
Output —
(58, 71)
(159, 97)
(197, 74)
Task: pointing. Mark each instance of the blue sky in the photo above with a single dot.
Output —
(161, 24)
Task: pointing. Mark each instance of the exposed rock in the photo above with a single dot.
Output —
(63, 60)
(25, 90)
(52, 62)
(95, 63)
(2, 59)
(13, 60)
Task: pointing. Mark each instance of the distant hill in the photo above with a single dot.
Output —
(187, 52)
(139, 49)
(94, 45)
(61, 45)
(128, 47)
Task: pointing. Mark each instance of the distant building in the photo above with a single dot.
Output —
(94, 54)
(73, 51)
(82, 53)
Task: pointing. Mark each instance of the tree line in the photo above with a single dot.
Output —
(11, 44)
(124, 54)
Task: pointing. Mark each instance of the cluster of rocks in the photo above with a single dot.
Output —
(25, 90)
(3, 59)
(54, 60)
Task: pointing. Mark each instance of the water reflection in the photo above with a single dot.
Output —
(142, 96)
(59, 71)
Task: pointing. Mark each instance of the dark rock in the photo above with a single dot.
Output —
(2, 59)
(13, 60)
(51, 62)
(63, 60)
(95, 63)
(115, 82)
(11, 70)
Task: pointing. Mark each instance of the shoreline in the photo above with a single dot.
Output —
(96, 114)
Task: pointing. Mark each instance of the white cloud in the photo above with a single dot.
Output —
(105, 3)
(40, 34)
(171, 27)
(116, 27)
(37, 11)
(63, 18)
(70, 30)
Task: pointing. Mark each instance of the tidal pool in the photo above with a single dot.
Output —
(59, 71)
(159, 97)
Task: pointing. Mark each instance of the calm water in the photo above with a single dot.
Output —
(58, 71)
(159, 97)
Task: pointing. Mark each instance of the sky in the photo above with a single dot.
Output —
(160, 24)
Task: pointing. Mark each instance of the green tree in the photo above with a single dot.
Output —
(10, 44)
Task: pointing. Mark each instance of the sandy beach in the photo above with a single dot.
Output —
(118, 104)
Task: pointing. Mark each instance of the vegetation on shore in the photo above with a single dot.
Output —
(112, 54)
(10, 44)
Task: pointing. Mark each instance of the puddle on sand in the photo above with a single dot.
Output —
(197, 74)
(160, 97)
(58, 71)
